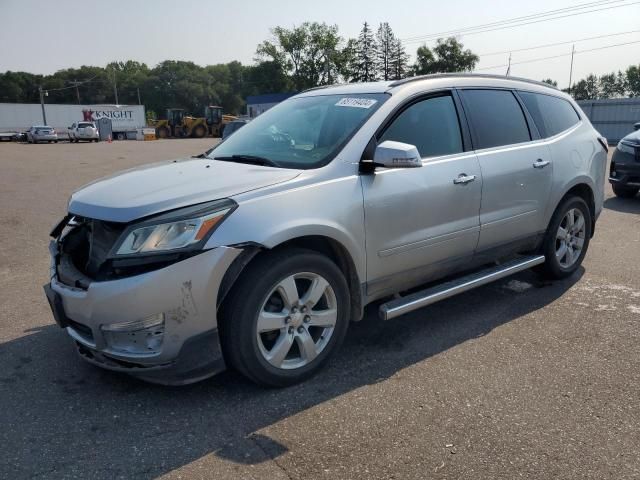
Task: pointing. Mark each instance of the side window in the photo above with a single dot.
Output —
(551, 114)
(431, 125)
(497, 118)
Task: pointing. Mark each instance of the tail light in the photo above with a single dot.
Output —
(604, 143)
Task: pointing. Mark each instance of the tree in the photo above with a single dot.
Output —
(608, 86)
(363, 62)
(579, 90)
(633, 80)
(425, 61)
(386, 42)
(399, 61)
(550, 82)
(592, 87)
(309, 53)
(586, 89)
(448, 55)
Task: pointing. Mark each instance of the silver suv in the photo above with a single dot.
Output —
(258, 254)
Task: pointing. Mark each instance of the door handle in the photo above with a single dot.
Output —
(463, 179)
(541, 163)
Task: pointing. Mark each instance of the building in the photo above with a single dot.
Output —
(258, 104)
(613, 118)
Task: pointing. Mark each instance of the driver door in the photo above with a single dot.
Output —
(423, 222)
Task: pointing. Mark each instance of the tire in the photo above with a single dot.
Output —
(255, 354)
(199, 131)
(624, 191)
(162, 132)
(576, 240)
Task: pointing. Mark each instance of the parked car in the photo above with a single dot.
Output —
(42, 133)
(83, 131)
(259, 254)
(624, 172)
(20, 137)
(233, 126)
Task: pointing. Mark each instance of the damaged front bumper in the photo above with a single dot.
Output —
(160, 326)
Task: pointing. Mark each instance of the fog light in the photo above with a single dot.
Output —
(142, 336)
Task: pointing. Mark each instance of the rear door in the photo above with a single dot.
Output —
(516, 167)
(420, 220)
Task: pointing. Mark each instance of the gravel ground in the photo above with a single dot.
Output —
(520, 378)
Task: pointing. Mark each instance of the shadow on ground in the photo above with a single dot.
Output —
(62, 417)
(623, 205)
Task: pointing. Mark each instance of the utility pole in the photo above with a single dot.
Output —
(44, 115)
(115, 89)
(139, 102)
(509, 66)
(75, 83)
(115, 86)
(573, 50)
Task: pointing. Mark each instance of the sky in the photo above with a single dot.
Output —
(48, 35)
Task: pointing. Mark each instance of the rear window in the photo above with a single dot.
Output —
(85, 124)
(496, 117)
(552, 115)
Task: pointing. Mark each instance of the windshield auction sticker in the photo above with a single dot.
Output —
(356, 102)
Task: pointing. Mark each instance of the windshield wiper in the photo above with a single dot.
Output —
(252, 159)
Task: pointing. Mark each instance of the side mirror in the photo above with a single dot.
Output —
(390, 154)
(636, 126)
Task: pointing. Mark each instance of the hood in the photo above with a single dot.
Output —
(159, 187)
(633, 138)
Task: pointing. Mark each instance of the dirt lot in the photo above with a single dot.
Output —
(516, 379)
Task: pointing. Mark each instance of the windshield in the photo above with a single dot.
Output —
(303, 133)
(84, 125)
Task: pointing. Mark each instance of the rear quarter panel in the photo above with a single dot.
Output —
(578, 158)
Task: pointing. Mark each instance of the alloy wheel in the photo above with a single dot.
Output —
(297, 320)
(570, 238)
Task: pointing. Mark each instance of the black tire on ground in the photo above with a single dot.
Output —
(55, 141)
(624, 191)
(238, 316)
(199, 131)
(552, 268)
(162, 132)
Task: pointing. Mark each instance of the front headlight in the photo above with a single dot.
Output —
(184, 229)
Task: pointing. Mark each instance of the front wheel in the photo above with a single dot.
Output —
(286, 316)
(567, 238)
(623, 191)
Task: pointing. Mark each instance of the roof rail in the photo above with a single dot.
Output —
(320, 87)
(468, 75)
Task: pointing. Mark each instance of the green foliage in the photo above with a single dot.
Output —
(363, 61)
(610, 85)
(550, 82)
(309, 54)
(633, 80)
(448, 55)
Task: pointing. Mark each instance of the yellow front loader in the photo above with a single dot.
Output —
(180, 125)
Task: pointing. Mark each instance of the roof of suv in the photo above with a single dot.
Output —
(451, 79)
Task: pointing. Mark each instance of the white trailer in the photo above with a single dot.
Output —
(125, 119)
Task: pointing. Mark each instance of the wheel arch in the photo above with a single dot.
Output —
(584, 190)
(322, 244)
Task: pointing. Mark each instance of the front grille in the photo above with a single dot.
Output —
(88, 245)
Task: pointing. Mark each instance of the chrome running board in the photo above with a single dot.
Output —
(414, 301)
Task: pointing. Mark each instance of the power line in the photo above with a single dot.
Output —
(518, 19)
(559, 56)
(470, 30)
(536, 47)
(75, 85)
